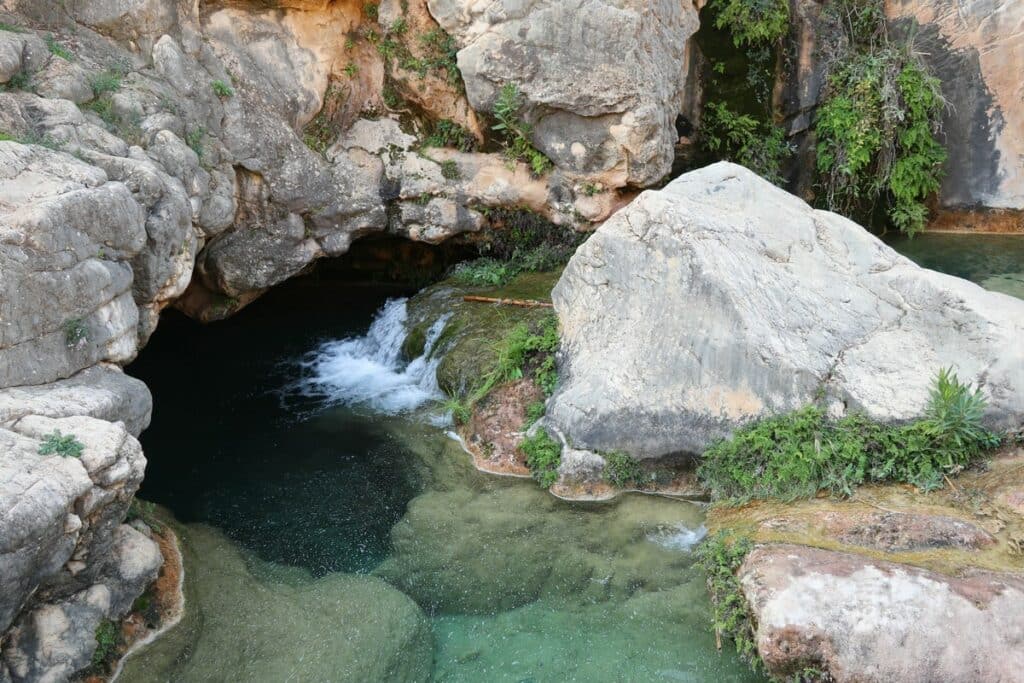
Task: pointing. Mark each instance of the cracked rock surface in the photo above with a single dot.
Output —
(727, 299)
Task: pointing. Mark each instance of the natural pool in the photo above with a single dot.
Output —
(331, 542)
(995, 262)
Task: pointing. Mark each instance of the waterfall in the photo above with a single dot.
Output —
(369, 371)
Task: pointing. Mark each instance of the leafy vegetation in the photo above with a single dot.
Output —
(222, 89)
(450, 170)
(878, 125)
(516, 131)
(752, 22)
(75, 333)
(10, 28)
(108, 81)
(437, 49)
(761, 147)
(64, 445)
(797, 454)
(622, 470)
(58, 50)
(522, 241)
(447, 133)
(19, 81)
(543, 455)
(106, 642)
(145, 511)
(194, 139)
(321, 132)
(720, 556)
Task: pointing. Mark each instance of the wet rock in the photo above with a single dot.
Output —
(250, 617)
(721, 299)
(899, 531)
(846, 615)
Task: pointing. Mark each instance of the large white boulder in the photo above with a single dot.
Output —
(722, 299)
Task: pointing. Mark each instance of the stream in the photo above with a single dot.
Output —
(333, 531)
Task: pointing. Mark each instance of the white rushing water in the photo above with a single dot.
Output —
(681, 537)
(369, 370)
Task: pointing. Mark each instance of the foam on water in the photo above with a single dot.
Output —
(369, 370)
(680, 537)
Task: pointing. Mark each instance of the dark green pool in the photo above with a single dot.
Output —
(995, 262)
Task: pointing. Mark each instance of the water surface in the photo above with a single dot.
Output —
(995, 262)
(331, 534)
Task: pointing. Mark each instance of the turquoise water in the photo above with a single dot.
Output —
(326, 541)
(995, 262)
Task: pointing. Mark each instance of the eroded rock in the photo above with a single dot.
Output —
(849, 616)
(721, 299)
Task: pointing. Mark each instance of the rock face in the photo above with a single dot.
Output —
(721, 299)
(840, 612)
(977, 51)
(603, 81)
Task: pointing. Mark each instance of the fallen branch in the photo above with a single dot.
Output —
(526, 303)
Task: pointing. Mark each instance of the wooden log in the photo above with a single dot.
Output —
(526, 303)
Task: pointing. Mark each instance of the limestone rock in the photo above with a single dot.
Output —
(721, 299)
(66, 234)
(602, 80)
(101, 391)
(847, 615)
(60, 512)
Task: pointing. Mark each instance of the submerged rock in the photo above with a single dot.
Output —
(722, 299)
(266, 622)
(851, 616)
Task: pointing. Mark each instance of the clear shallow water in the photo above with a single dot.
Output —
(328, 537)
(995, 262)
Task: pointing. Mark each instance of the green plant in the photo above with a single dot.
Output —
(796, 454)
(447, 133)
(878, 125)
(75, 333)
(761, 147)
(145, 511)
(720, 556)
(66, 446)
(321, 132)
(351, 69)
(222, 89)
(194, 139)
(516, 131)
(441, 54)
(371, 9)
(752, 22)
(10, 28)
(7, 137)
(104, 108)
(106, 642)
(19, 81)
(398, 26)
(450, 170)
(58, 50)
(621, 470)
(460, 409)
(108, 81)
(543, 455)
(534, 412)
(482, 272)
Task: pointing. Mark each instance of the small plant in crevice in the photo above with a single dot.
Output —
(144, 511)
(622, 470)
(450, 170)
(797, 454)
(351, 69)
(106, 82)
(222, 89)
(516, 132)
(19, 81)
(761, 147)
(76, 333)
(106, 642)
(447, 133)
(720, 556)
(64, 445)
(58, 50)
(543, 455)
(321, 132)
(194, 139)
(534, 412)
